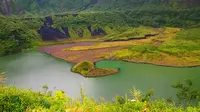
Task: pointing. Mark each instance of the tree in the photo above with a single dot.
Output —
(186, 93)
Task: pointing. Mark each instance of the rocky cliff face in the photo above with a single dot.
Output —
(6, 7)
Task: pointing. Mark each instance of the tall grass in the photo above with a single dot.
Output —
(16, 100)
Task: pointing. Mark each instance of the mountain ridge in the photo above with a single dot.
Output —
(8, 7)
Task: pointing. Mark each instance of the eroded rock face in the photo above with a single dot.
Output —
(98, 31)
(66, 30)
(94, 1)
(6, 7)
(49, 33)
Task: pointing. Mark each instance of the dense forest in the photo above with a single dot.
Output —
(8, 7)
(15, 36)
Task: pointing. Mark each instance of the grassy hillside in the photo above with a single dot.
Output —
(113, 25)
(180, 50)
(98, 23)
(113, 22)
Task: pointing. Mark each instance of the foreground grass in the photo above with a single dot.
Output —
(16, 100)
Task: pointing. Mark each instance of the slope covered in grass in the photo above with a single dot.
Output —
(180, 50)
(113, 25)
(131, 34)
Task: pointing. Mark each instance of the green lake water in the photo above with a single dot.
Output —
(32, 70)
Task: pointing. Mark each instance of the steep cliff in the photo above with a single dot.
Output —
(6, 7)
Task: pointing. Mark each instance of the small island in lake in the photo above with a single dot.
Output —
(88, 69)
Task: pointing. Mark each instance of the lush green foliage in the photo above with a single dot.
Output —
(16, 35)
(189, 35)
(12, 99)
(187, 94)
(51, 6)
(16, 100)
(112, 22)
(116, 22)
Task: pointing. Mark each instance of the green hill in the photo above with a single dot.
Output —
(51, 6)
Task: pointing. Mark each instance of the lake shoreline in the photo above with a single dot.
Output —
(74, 56)
(36, 69)
(48, 51)
(141, 62)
